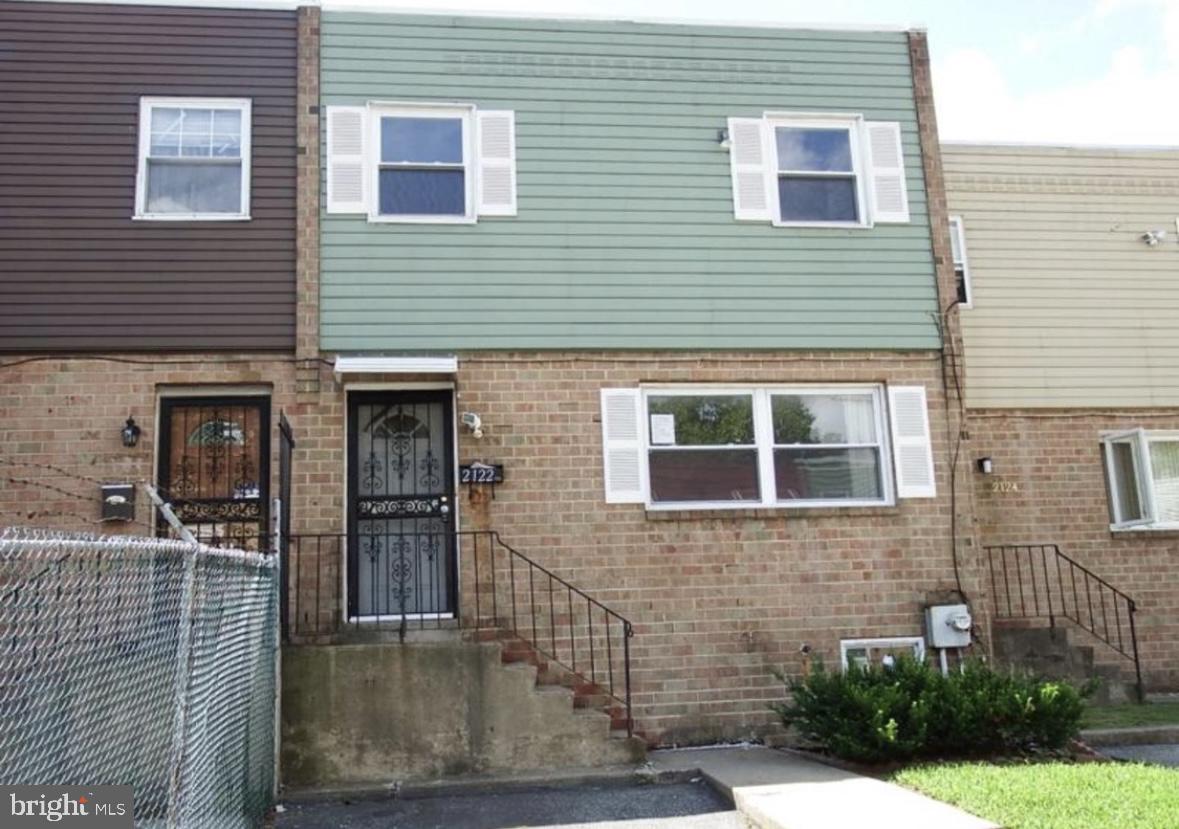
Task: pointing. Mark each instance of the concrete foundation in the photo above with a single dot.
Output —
(374, 714)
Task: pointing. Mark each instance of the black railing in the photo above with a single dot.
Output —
(398, 582)
(555, 618)
(1039, 581)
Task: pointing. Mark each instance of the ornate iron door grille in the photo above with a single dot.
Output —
(214, 468)
(401, 543)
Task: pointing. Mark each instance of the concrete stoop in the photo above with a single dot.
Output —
(380, 714)
(1052, 652)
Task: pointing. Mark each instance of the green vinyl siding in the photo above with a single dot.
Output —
(625, 236)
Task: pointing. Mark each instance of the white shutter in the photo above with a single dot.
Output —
(747, 161)
(912, 449)
(497, 162)
(622, 446)
(886, 177)
(345, 160)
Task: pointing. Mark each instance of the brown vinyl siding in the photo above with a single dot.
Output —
(77, 273)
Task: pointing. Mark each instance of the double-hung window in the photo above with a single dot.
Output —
(766, 446)
(961, 266)
(194, 159)
(423, 168)
(1142, 472)
(818, 177)
(421, 162)
(828, 447)
(703, 447)
(821, 170)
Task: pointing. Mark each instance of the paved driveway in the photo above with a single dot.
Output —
(1163, 755)
(618, 806)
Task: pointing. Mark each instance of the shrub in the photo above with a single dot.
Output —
(910, 710)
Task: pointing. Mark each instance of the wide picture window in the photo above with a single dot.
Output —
(194, 159)
(766, 446)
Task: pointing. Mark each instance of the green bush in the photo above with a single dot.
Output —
(910, 710)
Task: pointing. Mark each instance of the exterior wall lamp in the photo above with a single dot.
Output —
(131, 432)
(986, 466)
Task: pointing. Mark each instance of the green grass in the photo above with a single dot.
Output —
(1125, 716)
(1055, 795)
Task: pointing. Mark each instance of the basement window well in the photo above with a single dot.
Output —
(862, 653)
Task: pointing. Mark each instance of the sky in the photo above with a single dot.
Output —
(1036, 71)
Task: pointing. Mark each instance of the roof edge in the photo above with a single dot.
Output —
(1060, 145)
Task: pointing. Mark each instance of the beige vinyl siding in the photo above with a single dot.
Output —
(1071, 307)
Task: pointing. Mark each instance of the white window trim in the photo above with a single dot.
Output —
(372, 162)
(146, 105)
(857, 136)
(958, 229)
(846, 645)
(1143, 472)
(764, 446)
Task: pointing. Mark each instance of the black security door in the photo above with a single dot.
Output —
(214, 468)
(401, 544)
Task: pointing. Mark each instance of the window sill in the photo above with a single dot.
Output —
(1166, 532)
(704, 514)
(827, 225)
(422, 220)
(196, 217)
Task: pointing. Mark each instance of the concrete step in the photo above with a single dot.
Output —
(1062, 653)
(584, 696)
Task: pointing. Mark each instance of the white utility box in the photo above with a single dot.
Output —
(948, 626)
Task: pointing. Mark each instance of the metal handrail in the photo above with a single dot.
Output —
(554, 618)
(1033, 575)
(620, 690)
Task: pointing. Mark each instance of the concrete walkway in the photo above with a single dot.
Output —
(1166, 754)
(1139, 735)
(777, 790)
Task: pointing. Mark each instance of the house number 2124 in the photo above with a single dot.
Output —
(1002, 487)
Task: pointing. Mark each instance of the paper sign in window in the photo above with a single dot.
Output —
(663, 430)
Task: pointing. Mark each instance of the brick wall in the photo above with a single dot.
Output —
(719, 599)
(68, 413)
(1049, 486)
(307, 204)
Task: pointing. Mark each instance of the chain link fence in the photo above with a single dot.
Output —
(143, 662)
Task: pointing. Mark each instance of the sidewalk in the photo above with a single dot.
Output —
(776, 790)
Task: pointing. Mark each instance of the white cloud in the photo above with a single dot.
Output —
(1130, 104)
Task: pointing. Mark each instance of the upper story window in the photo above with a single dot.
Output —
(423, 163)
(1142, 471)
(194, 159)
(818, 180)
(961, 266)
(816, 170)
(786, 446)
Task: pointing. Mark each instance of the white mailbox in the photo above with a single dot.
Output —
(948, 625)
